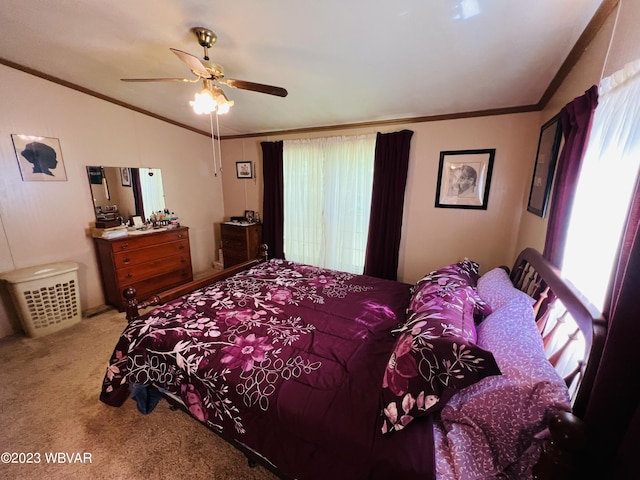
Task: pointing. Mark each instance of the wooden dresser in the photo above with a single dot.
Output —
(240, 243)
(150, 262)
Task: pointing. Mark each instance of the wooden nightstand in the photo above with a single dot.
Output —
(240, 243)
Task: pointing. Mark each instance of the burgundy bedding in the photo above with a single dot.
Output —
(292, 361)
(288, 360)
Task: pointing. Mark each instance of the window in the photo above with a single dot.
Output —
(606, 183)
(152, 193)
(327, 199)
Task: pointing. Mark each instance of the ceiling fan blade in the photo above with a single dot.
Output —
(255, 87)
(192, 62)
(160, 80)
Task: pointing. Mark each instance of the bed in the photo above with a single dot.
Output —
(322, 374)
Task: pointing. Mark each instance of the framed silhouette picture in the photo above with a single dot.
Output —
(39, 158)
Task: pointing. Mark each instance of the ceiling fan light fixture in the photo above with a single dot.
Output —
(224, 104)
(224, 107)
(203, 102)
(210, 99)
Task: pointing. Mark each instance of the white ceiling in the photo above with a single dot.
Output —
(342, 61)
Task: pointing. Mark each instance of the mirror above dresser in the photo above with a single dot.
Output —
(119, 193)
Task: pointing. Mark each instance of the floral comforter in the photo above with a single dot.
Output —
(285, 358)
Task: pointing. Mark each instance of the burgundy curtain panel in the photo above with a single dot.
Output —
(273, 198)
(613, 414)
(137, 192)
(575, 121)
(387, 204)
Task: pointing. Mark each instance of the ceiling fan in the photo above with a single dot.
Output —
(210, 74)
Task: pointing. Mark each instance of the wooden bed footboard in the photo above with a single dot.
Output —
(133, 305)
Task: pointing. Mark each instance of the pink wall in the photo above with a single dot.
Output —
(46, 222)
(432, 236)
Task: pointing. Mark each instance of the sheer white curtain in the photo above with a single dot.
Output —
(152, 192)
(327, 199)
(606, 183)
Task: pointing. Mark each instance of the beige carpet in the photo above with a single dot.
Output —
(49, 390)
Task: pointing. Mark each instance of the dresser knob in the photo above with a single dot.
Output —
(180, 235)
(126, 260)
(129, 275)
(181, 247)
(124, 245)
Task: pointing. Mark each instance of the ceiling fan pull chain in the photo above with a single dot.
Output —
(213, 146)
(219, 151)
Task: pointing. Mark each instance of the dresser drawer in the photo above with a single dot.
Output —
(150, 239)
(234, 244)
(147, 288)
(152, 268)
(233, 232)
(155, 252)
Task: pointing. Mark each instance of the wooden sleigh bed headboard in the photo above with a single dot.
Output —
(565, 319)
(574, 313)
(571, 328)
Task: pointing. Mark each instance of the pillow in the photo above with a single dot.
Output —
(456, 309)
(496, 289)
(434, 356)
(499, 415)
(445, 281)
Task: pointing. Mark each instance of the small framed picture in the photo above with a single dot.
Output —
(464, 178)
(249, 215)
(244, 170)
(546, 157)
(125, 176)
(137, 221)
(39, 158)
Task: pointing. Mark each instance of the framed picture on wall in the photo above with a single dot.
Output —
(244, 170)
(125, 176)
(546, 157)
(464, 178)
(39, 158)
